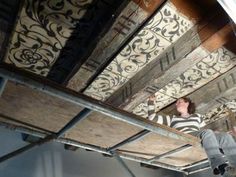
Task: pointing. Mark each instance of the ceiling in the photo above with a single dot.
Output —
(121, 52)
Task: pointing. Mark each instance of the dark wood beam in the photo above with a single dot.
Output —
(126, 26)
(94, 24)
(159, 72)
(217, 92)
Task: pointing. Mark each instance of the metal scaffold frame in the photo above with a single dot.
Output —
(90, 104)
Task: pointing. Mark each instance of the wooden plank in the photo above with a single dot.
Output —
(35, 108)
(187, 157)
(179, 160)
(153, 145)
(101, 130)
(52, 113)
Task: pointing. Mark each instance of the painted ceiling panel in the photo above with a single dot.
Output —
(41, 32)
(106, 83)
(217, 92)
(203, 72)
(190, 60)
(221, 111)
(157, 73)
(156, 36)
(169, 23)
(133, 15)
(31, 54)
(145, 47)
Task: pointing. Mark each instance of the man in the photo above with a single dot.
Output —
(189, 122)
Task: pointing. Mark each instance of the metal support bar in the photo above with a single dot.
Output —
(123, 164)
(25, 148)
(177, 150)
(90, 103)
(33, 132)
(199, 170)
(3, 83)
(157, 164)
(84, 113)
(128, 140)
(195, 164)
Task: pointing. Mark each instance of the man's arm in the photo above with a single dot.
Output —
(152, 115)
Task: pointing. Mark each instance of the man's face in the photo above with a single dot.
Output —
(181, 105)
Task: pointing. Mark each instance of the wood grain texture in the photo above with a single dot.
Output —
(49, 113)
(36, 108)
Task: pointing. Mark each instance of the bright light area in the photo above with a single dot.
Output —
(230, 8)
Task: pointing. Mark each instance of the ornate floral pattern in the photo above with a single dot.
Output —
(155, 37)
(105, 85)
(204, 71)
(42, 31)
(169, 24)
(221, 111)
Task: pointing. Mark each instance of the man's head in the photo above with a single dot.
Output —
(185, 105)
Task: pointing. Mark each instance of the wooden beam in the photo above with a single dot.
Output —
(216, 92)
(159, 72)
(129, 21)
(212, 95)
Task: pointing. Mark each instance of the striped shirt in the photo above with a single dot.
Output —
(187, 125)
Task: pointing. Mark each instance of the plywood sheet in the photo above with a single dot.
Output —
(153, 145)
(36, 108)
(189, 156)
(102, 130)
(46, 112)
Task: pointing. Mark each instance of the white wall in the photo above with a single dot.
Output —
(51, 160)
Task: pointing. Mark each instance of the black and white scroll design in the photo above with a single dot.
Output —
(150, 42)
(221, 111)
(203, 72)
(169, 24)
(106, 83)
(164, 29)
(41, 32)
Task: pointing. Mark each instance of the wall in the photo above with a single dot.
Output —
(51, 160)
